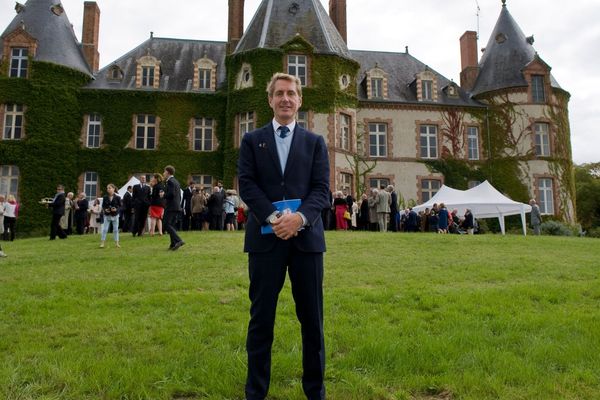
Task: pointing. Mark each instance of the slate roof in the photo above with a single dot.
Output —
(276, 22)
(57, 42)
(402, 69)
(503, 61)
(177, 57)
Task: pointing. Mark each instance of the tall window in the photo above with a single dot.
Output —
(537, 89)
(377, 183)
(147, 76)
(429, 188)
(345, 122)
(13, 122)
(377, 140)
(377, 88)
(145, 132)
(204, 182)
(428, 135)
(302, 119)
(204, 76)
(19, 62)
(542, 139)
(297, 67)
(9, 180)
(473, 142)
(246, 123)
(93, 131)
(90, 185)
(203, 134)
(346, 182)
(427, 90)
(546, 196)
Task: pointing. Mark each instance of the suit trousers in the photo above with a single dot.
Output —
(382, 220)
(55, 228)
(169, 221)
(139, 220)
(267, 276)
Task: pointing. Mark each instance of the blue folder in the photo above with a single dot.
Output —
(286, 207)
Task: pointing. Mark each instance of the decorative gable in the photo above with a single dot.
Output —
(148, 73)
(205, 74)
(426, 86)
(537, 76)
(377, 83)
(19, 38)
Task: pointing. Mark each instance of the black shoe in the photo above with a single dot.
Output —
(178, 245)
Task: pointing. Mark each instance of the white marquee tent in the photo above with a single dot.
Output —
(483, 200)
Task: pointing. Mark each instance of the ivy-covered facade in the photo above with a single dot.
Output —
(387, 118)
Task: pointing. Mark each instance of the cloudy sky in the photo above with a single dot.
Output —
(566, 37)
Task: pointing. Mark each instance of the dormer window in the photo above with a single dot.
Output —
(205, 72)
(537, 89)
(297, 66)
(244, 78)
(426, 86)
(148, 73)
(452, 90)
(19, 62)
(115, 73)
(427, 90)
(377, 87)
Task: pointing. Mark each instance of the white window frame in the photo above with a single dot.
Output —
(542, 139)
(473, 143)
(246, 123)
(9, 180)
(427, 189)
(546, 195)
(204, 78)
(428, 141)
(14, 119)
(204, 182)
(146, 131)
(298, 67)
(20, 56)
(90, 184)
(378, 182)
(347, 182)
(204, 134)
(302, 119)
(148, 72)
(378, 131)
(345, 135)
(94, 131)
(377, 88)
(538, 91)
(427, 90)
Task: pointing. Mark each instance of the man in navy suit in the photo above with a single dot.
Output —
(58, 210)
(283, 161)
(172, 207)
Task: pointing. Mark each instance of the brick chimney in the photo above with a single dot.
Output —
(337, 13)
(89, 37)
(468, 58)
(236, 24)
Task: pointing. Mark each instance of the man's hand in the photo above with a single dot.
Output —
(286, 226)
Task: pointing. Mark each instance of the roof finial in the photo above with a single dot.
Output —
(151, 34)
(406, 49)
(23, 24)
(503, 3)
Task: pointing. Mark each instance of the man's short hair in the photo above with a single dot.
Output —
(60, 187)
(170, 169)
(285, 77)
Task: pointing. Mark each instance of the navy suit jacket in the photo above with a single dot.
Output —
(306, 177)
(172, 195)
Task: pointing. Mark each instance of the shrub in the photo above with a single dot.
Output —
(555, 228)
(593, 232)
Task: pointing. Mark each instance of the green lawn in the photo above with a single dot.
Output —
(407, 316)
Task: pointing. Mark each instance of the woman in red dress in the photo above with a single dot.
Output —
(341, 206)
(157, 204)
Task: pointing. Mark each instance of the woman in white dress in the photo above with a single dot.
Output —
(95, 211)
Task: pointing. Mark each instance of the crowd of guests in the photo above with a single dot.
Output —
(378, 210)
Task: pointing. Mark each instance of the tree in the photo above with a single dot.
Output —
(360, 162)
(587, 184)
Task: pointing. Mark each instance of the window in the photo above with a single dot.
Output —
(93, 131)
(546, 196)
(302, 119)
(429, 188)
(203, 134)
(148, 77)
(344, 140)
(90, 185)
(246, 123)
(377, 183)
(377, 88)
(145, 132)
(542, 140)
(427, 90)
(538, 94)
(204, 76)
(204, 182)
(473, 143)
(297, 67)
(428, 141)
(346, 182)
(9, 180)
(377, 140)
(19, 62)
(115, 73)
(13, 122)
(472, 184)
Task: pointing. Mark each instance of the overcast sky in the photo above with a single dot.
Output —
(567, 37)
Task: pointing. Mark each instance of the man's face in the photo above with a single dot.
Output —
(285, 101)
(142, 179)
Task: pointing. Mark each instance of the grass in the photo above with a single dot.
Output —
(407, 316)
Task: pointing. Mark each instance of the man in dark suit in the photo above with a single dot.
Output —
(127, 209)
(215, 207)
(58, 210)
(141, 204)
(283, 161)
(173, 207)
(186, 206)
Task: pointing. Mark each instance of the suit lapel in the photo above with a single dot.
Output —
(298, 135)
(269, 140)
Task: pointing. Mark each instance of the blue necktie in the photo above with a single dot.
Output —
(283, 131)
